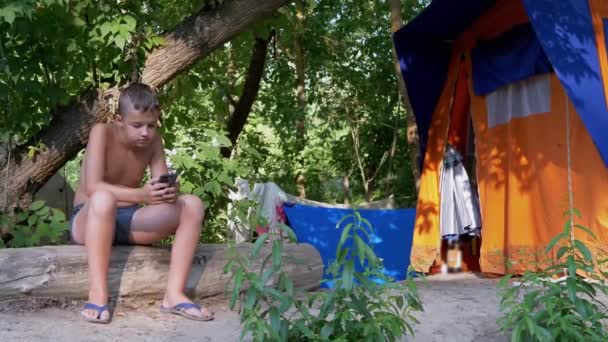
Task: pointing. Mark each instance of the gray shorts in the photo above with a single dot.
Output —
(122, 225)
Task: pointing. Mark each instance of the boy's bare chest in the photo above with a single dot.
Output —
(125, 166)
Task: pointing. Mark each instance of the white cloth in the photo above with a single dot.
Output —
(460, 212)
(269, 196)
(240, 229)
(519, 99)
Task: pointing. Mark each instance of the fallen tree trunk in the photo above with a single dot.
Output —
(61, 271)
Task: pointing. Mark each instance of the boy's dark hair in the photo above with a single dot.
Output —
(137, 97)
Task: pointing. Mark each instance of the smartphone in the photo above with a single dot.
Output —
(169, 178)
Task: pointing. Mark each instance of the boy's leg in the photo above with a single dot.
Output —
(154, 223)
(94, 227)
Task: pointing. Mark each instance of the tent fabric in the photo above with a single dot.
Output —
(566, 32)
(391, 240)
(564, 28)
(423, 48)
(496, 21)
(599, 14)
(425, 45)
(424, 63)
(529, 177)
(459, 115)
(522, 180)
(513, 56)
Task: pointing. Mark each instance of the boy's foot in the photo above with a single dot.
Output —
(96, 313)
(187, 309)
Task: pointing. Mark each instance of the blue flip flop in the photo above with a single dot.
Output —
(100, 309)
(180, 309)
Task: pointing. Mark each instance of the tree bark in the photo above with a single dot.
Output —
(238, 118)
(413, 141)
(191, 40)
(300, 94)
(61, 271)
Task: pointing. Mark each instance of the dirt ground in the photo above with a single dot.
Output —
(457, 308)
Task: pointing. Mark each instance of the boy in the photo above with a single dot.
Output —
(106, 203)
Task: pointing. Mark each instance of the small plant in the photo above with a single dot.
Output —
(559, 303)
(363, 304)
(38, 225)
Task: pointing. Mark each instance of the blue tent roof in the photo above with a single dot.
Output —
(564, 29)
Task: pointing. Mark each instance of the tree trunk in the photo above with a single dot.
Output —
(238, 118)
(61, 271)
(191, 40)
(413, 141)
(300, 94)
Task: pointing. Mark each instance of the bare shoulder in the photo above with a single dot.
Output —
(99, 129)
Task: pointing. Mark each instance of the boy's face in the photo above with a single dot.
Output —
(139, 127)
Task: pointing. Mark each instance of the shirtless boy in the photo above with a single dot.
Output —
(107, 207)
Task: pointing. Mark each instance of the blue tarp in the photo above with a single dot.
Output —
(563, 27)
(391, 241)
(511, 57)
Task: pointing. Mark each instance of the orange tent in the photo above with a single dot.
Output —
(532, 76)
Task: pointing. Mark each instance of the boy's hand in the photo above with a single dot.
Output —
(157, 193)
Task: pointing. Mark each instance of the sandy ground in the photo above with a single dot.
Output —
(458, 308)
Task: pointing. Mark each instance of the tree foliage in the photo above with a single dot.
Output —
(53, 50)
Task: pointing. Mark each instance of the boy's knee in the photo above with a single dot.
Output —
(102, 202)
(193, 205)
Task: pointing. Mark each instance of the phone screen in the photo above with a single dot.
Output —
(169, 178)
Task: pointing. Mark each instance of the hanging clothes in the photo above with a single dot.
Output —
(460, 212)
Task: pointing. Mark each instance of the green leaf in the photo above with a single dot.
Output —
(400, 302)
(31, 221)
(290, 233)
(228, 266)
(347, 275)
(361, 251)
(554, 241)
(258, 245)
(59, 227)
(158, 40)
(130, 21)
(104, 29)
(223, 141)
(571, 286)
(304, 329)
(238, 280)
(327, 330)
(8, 14)
(275, 320)
(344, 236)
(584, 250)
(120, 42)
(251, 298)
(276, 254)
(43, 212)
(37, 205)
(213, 187)
(58, 215)
(562, 251)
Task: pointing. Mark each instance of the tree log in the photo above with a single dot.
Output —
(136, 271)
(191, 40)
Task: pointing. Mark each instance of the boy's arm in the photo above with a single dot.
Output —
(95, 166)
(158, 164)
